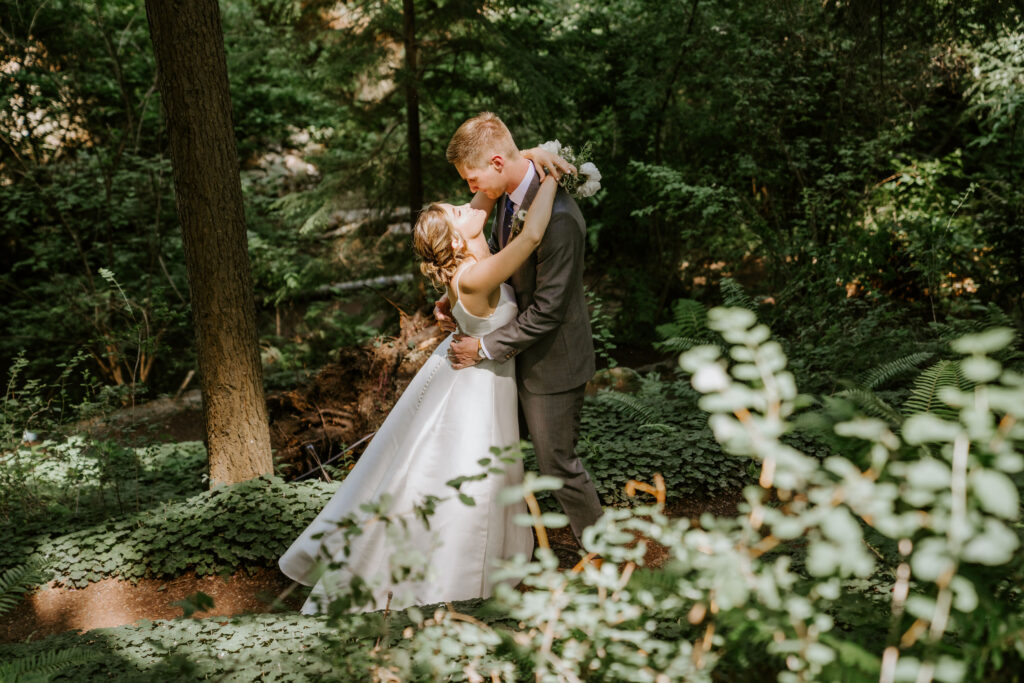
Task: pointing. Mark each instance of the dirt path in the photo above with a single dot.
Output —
(115, 602)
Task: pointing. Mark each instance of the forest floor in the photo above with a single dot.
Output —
(116, 602)
(310, 424)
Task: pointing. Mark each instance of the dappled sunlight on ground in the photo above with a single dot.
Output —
(114, 602)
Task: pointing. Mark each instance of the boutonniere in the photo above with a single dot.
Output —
(517, 223)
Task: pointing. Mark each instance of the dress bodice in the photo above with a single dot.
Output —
(503, 313)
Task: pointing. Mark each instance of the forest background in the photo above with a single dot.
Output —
(847, 171)
(838, 158)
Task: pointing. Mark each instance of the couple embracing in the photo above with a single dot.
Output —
(523, 333)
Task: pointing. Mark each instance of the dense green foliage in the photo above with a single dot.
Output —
(812, 150)
(247, 525)
(659, 428)
(266, 647)
(55, 489)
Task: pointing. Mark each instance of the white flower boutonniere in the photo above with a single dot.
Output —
(517, 223)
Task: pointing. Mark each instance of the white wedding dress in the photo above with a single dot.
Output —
(442, 425)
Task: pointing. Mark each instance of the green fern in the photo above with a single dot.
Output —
(43, 665)
(601, 326)
(688, 327)
(871, 404)
(997, 317)
(733, 295)
(633, 408)
(679, 344)
(689, 319)
(991, 316)
(885, 372)
(924, 395)
(15, 582)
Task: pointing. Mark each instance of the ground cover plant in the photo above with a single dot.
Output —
(657, 428)
(829, 570)
(216, 531)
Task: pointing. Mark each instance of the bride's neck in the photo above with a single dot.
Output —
(477, 248)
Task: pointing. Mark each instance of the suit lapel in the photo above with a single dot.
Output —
(499, 218)
(531, 192)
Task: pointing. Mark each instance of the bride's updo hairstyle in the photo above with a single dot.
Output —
(432, 239)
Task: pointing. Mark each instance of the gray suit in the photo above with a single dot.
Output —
(554, 346)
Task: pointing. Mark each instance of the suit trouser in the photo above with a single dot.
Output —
(553, 423)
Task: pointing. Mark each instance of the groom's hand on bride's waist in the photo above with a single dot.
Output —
(464, 351)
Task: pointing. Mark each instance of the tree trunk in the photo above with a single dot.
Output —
(193, 83)
(412, 111)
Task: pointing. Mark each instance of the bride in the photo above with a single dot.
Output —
(445, 423)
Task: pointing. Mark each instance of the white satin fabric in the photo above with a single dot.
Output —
(441, 426)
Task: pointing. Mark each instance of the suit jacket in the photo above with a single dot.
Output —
(551, 335)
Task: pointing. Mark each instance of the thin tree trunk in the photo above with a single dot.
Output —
(193, 83)
(412, 111)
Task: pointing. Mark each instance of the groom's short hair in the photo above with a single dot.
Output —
(480, 138)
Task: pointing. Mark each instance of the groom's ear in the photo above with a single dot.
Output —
(497, 162)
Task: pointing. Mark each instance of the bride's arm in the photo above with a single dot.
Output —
(543, 159)
(489, 273)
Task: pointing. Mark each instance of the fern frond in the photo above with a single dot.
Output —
(16, 581)
(659, 427)
(652, 387)
(629, 404)
(689, 319)
(733, 295)
(45, 664)
(924, 395)
(997, 317)
(870, 403)
(885, 372)
(680, 343)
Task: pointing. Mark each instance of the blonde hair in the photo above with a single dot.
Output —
(432, 238)
(478, 139)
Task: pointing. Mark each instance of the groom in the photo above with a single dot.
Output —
(551, 335)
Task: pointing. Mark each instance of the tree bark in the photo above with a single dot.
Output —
(412, 111)
(193, 81)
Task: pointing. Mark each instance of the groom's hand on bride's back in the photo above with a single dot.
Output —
(443, 314)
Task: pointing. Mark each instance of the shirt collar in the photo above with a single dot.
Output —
(519, 194)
